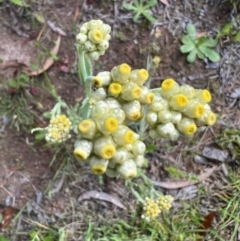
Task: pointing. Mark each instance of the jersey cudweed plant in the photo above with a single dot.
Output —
(113, 101)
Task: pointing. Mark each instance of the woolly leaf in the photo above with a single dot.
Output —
(128, 6)
(149, 17)
(210, 53)
(191, 30)
(192, 56)
(186, 48)
(209, 43)
(186, 39)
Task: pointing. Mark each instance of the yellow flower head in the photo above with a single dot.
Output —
(99, 169)
(211, 119)
(128, 137)
(143, 74)
(80, 154)
(136, 92)
(124, 69)
(98, 165)
(165, 202)
(111, 124)
(95, 36)
(58, 130)
(85, 126)
(114, 89)
(151, 209)
(181, 100)
(97, 82)
(206, 95)
(134, 115)
(149, 98)
(168, 84)
(107, 151)
(190, 129)
(198, 110)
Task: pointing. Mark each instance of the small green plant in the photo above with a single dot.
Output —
(229, 31)
(198, 46)
(141, 7)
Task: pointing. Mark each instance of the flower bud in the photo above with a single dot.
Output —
(89, 46)
(87, 128)
(176, 117)
(94, 55)
(84, 28)
(97, 109)
(139, 76)
(118, 113)
(132, 110)
(146, 97)
(98, 94)
(94, 24)
(164, 116)
(138, 148)
(187, 126)
(105, 29)
(104, 147)
(128, 169)
(139, 160)
(169, 88)
(168, 131)
(98, 165)
(123, 136)
(151, 118)
(113, 103)
(208, 118)
(103, 45)
(81, 38)
(187, 90)
(82, 149)
(159, 105)
(102, 79)
(121, 156)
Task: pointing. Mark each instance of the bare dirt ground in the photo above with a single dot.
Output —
(51, 193)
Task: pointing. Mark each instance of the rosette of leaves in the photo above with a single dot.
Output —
(198, 46)
(141, 7)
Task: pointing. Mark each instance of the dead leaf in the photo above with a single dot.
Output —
(165, 2)
(199, 35)
(7, 216)
(12, 64)
(175, 185)
(102, 196)
(76, 14)
(207, 222)
(56, 29)
(48, 63)
(31, 37)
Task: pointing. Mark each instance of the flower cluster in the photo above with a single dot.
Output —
(179, 109)
(106, 142)
(94, 38)
(58, 130)
(152, 208)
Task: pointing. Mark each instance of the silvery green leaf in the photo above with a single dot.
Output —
(192, 56)
(187, 40)
(191, 30)
(209, 42)
(186, 48)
